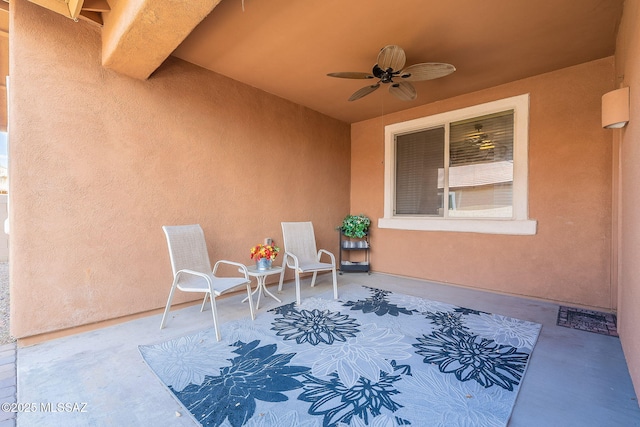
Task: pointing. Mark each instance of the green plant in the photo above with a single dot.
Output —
(355, 225)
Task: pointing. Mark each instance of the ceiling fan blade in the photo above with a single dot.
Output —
(351, 75)
(404, 91)
(426, 71)
(391, 56)
(363, 92)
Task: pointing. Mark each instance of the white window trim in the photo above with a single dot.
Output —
(519, 224)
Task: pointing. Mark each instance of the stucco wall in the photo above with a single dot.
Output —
(99, 162)
(627, 140)
(570, 165)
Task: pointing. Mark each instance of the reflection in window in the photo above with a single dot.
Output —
(480, 178)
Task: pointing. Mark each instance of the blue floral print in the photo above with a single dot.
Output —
(338, 403)
(257, 373)
(315, 326)
(378, 304)
(470, 357)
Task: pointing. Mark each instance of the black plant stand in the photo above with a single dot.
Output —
(354, 263)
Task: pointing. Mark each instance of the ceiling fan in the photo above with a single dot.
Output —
(391, 60)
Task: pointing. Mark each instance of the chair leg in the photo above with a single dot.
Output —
(204, 302)
(253, 315)
(215, 317)
(335, 283)
(284, 267)
(313, 279)
(297, 287)
(166, 310)
(281, 277)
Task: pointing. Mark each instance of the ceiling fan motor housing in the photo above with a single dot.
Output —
(385, 76)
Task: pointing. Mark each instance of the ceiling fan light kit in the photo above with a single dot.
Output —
(390, 65)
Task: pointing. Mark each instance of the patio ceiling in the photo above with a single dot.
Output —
(287, 47)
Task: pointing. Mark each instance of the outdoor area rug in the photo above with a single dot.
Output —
(588, 320)
(374, 358)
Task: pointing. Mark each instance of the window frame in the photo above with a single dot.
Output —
(518, 224)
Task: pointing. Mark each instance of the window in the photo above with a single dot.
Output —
(464, 170)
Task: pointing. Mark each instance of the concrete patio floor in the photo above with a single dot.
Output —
(575, 378)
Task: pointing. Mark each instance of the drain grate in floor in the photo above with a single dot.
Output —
(588, 320)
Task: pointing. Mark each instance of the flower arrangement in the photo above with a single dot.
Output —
(355, 225)
(261, 251)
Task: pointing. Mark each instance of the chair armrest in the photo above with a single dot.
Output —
(333, 258)
(292, 256)
(241, 267)
(205, 276)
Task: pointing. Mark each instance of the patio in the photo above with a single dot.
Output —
(575, 378)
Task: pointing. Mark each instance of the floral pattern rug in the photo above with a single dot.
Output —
(375, 358)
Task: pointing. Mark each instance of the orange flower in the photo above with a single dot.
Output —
(264, 251)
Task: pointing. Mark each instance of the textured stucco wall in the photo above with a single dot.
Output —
(627, 140)
(99, 162)
(570, 166)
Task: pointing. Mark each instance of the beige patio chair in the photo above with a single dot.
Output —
(192, 270)
(301, 255)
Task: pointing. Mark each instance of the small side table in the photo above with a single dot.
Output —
(261, 277)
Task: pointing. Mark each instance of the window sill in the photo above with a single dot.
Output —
(524, 227)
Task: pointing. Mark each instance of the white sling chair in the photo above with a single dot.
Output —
(192, 270)
(301, 255)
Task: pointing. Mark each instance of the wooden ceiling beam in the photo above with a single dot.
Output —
(75, 6)
(92, 17)
(56, 6)
(138, 35)
(96, 6)
(69, 8)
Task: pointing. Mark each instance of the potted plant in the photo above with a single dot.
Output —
(356, 226)
(264, 255)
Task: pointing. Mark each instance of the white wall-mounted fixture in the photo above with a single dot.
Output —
(615, 108)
